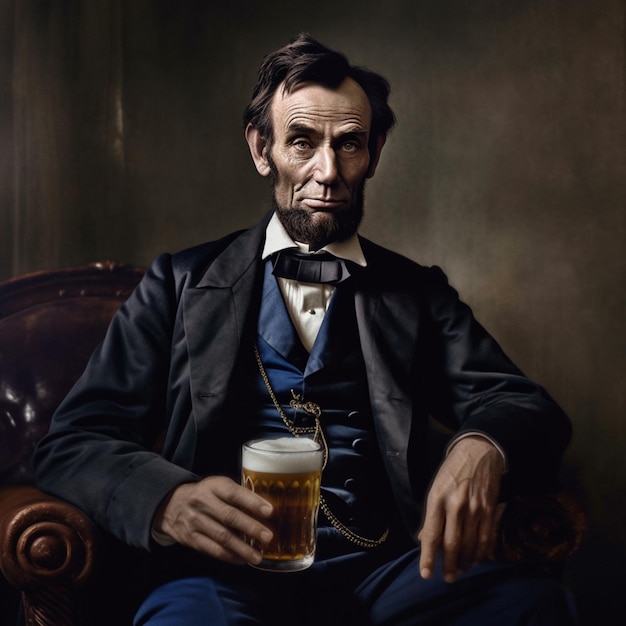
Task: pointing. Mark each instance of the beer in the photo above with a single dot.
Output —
(287, 473)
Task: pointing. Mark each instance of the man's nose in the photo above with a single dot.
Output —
(326, 170)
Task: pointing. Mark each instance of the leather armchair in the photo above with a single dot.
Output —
(50, 552)
(50, 323)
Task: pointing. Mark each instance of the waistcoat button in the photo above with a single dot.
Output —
(360, 446)
(351, 485)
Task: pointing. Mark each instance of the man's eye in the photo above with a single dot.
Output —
(351, 145)
(301, 144)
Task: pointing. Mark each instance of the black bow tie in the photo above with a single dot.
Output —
(309, 268)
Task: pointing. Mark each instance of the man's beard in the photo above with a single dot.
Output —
(306, 226)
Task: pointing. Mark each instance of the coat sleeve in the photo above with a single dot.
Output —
(474, 387)
(99, 450)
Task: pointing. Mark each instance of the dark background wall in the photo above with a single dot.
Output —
(120, 137)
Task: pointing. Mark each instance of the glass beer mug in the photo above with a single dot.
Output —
(286, 472)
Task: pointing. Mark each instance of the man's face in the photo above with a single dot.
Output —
(319, 160)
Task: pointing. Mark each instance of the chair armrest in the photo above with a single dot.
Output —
(541, 530)
(43, 539)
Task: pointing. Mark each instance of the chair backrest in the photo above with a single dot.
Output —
(50, 323)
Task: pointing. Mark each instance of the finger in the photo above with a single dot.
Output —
(236, 507)
(230, 518)
(484, 534)
(451, 545)
(492, 544)
(243, 498)
(468, 540)
(430, 537)
(478, 533)
(221, 543)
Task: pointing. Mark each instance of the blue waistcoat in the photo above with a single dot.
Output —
(354, 482)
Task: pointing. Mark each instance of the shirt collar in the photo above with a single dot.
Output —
(276, 239)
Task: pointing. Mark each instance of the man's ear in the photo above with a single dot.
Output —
(375, 157)
(259, 148)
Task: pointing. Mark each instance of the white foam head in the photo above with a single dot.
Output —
(284, 454)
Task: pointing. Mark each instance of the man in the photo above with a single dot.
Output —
(225, 342)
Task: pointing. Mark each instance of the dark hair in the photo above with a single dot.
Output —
(305, 60)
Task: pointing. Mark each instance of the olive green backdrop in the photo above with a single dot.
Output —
(120, 137)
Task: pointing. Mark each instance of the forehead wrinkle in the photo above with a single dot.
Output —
(348, 108)
(304, 118)
(308, 109)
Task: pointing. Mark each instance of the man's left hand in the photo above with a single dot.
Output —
(461, 508)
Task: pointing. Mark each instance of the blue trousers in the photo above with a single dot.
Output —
(354, 590)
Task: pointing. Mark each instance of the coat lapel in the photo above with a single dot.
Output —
(218, 315)
(388, 321)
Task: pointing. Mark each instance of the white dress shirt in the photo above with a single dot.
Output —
(307, 303)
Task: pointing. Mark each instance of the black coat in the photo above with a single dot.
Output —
(166, 370)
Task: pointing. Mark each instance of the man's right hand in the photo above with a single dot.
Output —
(211, 516)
